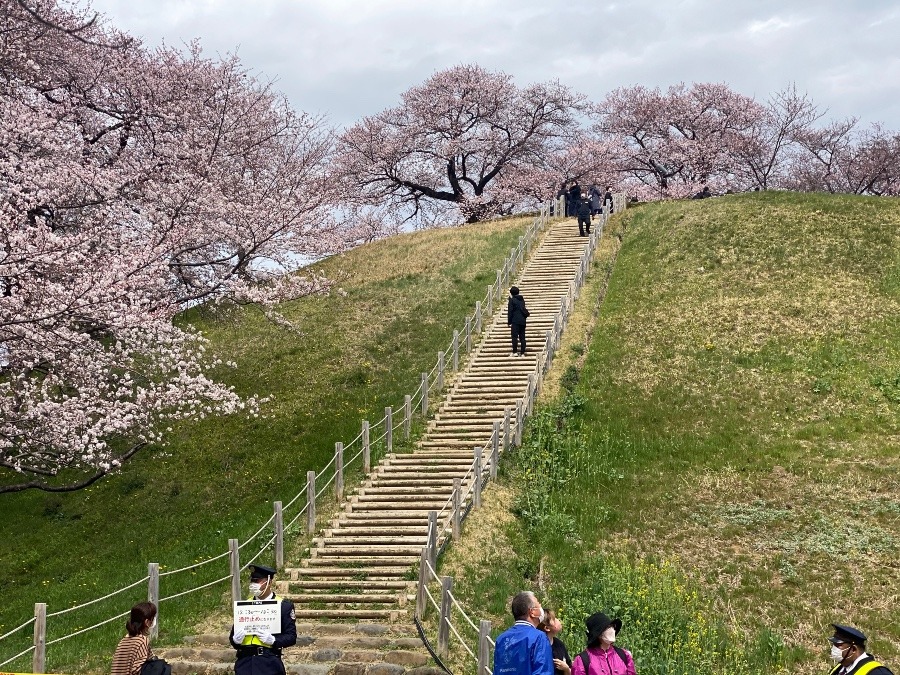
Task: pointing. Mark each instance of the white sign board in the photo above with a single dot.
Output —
(258, 615)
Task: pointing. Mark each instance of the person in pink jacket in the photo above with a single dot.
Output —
(602, 657)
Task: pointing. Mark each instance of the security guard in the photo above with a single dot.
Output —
(848, 648)
(259, 653)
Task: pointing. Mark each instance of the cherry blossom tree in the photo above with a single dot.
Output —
(674, 142)
(764, 159)
(583, 158)
(458, 147)
(135, 183)
(840, 158)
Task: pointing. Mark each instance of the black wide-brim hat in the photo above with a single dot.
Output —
(597, 623)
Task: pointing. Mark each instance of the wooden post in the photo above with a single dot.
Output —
(548, 350)
(432, 537)
(440, 371)
(507, 414)
(310, 502)
(407, 416)
(476, 497)
(490, 301)
(279, 536)
(39, 658)
(455, 351)
(498, 284)
(530, 394)
(367, 447)
(424, 578)
(153, 594)
(519, 416)
(389, 438)
(495, 449)
(521, 250)
(444, 626)
(484, 647)
(457, 489)
(478, 316)
(339, 470)
(235, 560)
(424, 394)
(468, 335)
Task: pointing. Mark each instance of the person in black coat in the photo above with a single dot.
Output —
(596, 198)
(848, 648)
(608, 199)
(583, 211)
(516, 315)
(259, 652)
(573, 199)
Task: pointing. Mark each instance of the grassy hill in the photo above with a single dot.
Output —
(357, 350)
(721, 466)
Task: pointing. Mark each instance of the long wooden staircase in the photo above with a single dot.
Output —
(360, 568)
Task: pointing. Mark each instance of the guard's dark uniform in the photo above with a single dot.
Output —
(867, 665)
(254, 657)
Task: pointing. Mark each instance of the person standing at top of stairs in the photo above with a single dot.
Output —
(516, 316)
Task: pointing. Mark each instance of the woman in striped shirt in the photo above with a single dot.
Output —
(134, 649)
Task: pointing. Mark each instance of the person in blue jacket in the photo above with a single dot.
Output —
(522, 649)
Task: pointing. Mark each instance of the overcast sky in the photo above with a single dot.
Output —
(351, 58)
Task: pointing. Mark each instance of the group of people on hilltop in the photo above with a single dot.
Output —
(531, 646)
(584, 205)
(596, 198)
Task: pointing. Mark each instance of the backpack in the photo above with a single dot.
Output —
(586, 658)
(156, 666)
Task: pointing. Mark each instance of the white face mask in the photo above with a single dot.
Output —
(255, 587)
(837, 654)
(542, 616)
(609, 635)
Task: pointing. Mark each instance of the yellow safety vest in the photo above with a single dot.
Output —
(253, 640)
(862, 670)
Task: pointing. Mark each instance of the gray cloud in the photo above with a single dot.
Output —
(348, 59)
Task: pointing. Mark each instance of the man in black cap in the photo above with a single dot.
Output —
(259, 652)
(848, 648)
(602, 657)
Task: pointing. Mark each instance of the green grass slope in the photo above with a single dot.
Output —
(722, 469)
(745, 377)
(358, 349)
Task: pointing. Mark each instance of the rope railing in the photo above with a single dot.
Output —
(462, 611)
(296, 497)
(297, 517)
(96, 600)
(258, 532)
(471, 494)
(198, 588)
(459, 637)
(18, 656)
(465, 342)
(85, 630)
(189, 567)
